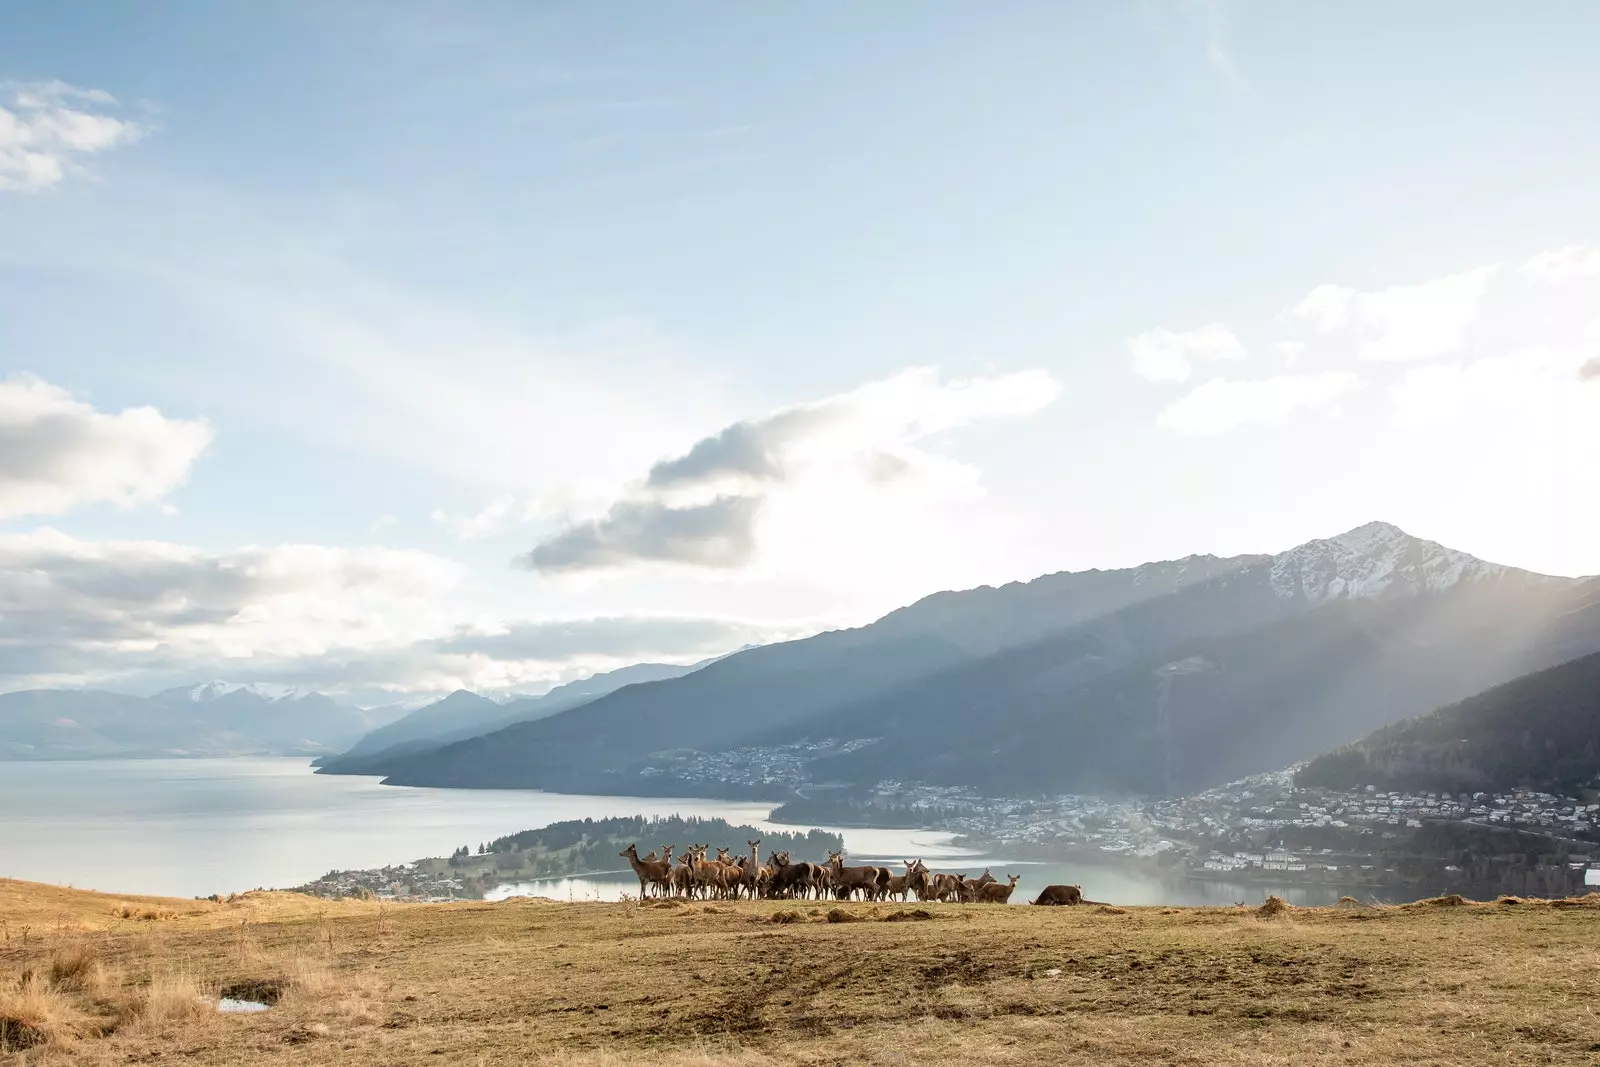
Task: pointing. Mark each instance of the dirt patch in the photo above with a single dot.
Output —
(266, 991)
(959, 968)
(903, 916)
(786, 917)
(839, 915)
(1107, 909)
(18, 1036)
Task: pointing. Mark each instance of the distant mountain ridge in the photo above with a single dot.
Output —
(210, 719)
(464, 714)
(1161, 678)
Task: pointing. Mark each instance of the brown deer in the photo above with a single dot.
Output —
(969, 888)
(650, 872)
(848, 880)
(791, 879)
(683, 875)
(750, 871)
(919, 880)
(995, 893)
(900, 884)
(1060, 895)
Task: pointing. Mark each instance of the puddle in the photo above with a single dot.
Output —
(250, 994)
(232, 1006)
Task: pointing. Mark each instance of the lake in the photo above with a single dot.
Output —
(200, 826)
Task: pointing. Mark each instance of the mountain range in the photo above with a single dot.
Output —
(464, 714)
(1155, 679)
(210, 719)
(1158, 679)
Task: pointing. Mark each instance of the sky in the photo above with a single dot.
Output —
(386, 349)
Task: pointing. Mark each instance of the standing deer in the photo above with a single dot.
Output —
(995, 893)
(650, 872)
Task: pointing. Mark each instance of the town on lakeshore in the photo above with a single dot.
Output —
(1261, 828)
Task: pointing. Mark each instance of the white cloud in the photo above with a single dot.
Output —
(1221, 405)
(1291, 351)
(1560, 265)
(1533, 390)
(702, 508)
(1406, 322)
(491, 519)
(371, 620)
(1161, 355)
(57, 453)
(49, 128)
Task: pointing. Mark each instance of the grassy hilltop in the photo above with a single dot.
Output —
(96, 979)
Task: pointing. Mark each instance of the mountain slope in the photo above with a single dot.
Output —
(462, 715)
(1541, 731)
(1244, 674)
(1253, 663)
(766, 687)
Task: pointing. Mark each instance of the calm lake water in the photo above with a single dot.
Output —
(195, 827)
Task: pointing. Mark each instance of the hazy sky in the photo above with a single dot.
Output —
(371, 346)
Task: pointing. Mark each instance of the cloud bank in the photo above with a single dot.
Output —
(1164, 356)
(57, 453)
(1221, 405)
(47, 130)
(702, 508)
(365, 621)
(1405, 322)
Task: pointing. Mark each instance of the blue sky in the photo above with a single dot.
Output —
(994, 290)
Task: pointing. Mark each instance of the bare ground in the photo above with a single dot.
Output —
(610, 985)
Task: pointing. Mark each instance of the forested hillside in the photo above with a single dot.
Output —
(1540, 732)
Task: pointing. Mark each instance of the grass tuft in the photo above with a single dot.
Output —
(76, 967)
(839, 915)
(34, 1013)
(1274, 907)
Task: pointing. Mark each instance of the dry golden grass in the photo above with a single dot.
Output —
(617, 985)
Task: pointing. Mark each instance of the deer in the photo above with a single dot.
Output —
(790, 878)
(750, 872)
(995, 893)
(1059, 895)
(846, 880)
(918, 880)
(650, 872)
(683, 875)
(967, 889)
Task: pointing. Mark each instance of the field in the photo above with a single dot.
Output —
(95, 979)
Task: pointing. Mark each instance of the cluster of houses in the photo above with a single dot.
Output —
(1268, 808)
(405, 882)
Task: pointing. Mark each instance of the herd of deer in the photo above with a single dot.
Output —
(698, 875)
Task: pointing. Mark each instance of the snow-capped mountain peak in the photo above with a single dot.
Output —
(206, 692)
(1377, 559)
